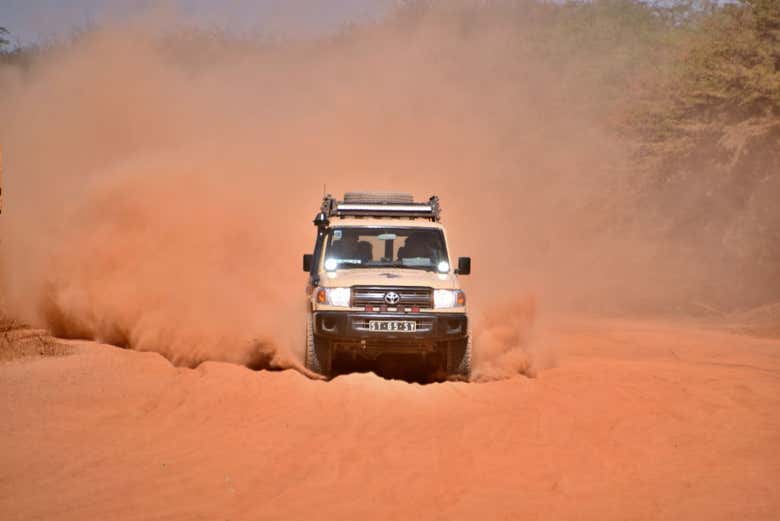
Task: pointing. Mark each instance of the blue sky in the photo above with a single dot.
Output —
(32, 21)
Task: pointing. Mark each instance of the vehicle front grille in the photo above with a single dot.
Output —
(409, 296)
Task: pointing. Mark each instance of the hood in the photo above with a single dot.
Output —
(388, 277)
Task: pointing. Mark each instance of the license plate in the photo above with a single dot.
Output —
(405, 326)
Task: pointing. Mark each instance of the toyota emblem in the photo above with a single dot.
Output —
(392, 297)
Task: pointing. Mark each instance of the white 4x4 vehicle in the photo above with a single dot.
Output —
(381, 282)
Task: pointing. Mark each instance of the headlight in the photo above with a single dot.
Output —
(448, 298)
(331, 264)
(334, 296)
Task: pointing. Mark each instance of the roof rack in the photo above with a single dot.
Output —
(374, 205)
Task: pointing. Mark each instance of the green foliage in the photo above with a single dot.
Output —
(731, 72)
(3, 38)
(727, 76)
(707, 136)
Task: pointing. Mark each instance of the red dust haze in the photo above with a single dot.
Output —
(159, 189)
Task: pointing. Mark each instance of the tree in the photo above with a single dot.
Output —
(707, 132)
(3, 40)
(727, 80)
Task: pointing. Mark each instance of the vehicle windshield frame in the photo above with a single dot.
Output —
(394, 264)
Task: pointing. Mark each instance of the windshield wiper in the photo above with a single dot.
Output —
(400, 265)
(385, 265)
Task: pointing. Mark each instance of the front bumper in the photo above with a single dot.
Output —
(352, 326)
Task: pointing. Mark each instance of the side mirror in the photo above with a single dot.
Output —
(464, 266)
(307, 261)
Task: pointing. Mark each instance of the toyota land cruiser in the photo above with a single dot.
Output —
(381, 283)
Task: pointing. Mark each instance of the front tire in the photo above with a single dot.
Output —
(459, 360)
(317, 356)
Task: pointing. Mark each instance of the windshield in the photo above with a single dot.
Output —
(414, 248)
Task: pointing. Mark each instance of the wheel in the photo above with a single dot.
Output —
(459, 360)
(317, 356)
(378, 197)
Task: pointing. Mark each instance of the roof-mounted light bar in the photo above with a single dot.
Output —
(428, 210)
(344, 207)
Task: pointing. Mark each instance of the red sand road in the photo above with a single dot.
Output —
(639, 421)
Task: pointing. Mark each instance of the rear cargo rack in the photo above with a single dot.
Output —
(375, 206)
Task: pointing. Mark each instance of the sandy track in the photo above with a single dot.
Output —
(638, 421)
